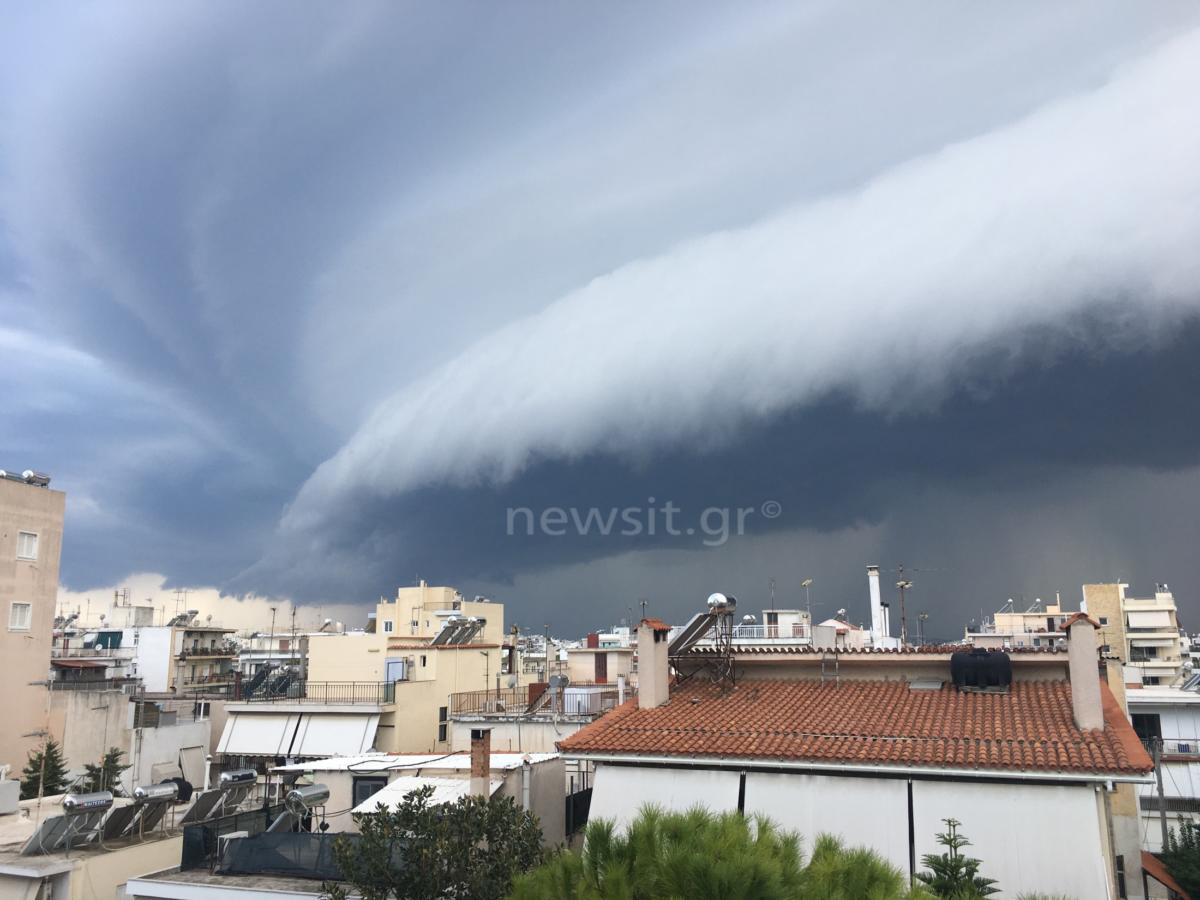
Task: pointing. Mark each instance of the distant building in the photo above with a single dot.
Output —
(31, 532)
(387, 690)
(1036, 626)
(1141, 632)
(1168, 717)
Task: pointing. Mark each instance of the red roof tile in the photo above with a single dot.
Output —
(1077, 617)
(872, 722)
(656, 624)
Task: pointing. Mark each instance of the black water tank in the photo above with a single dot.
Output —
(981, 670)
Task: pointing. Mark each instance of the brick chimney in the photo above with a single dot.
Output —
(653, 666)
(481, 761)
(1083, 664)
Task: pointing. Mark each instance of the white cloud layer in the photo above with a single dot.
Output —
(885, 292)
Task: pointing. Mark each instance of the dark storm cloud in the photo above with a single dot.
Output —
(531, 256)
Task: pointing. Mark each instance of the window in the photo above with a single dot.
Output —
(27, 545)
(387, 626)
(1147, 726)
(442, 711)
(20, 617)
(1104, 620)
(367, 787)
(422, 660)
(442, 733)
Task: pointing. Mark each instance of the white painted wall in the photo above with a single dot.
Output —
(153, 657)
(162, 745)
(871, 812)
(1043, 838)
(621, 791)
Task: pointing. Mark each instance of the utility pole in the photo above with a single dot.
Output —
(807, 585)
(1162, 800)
(271, 639)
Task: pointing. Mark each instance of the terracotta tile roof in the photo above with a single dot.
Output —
(1156, 870)
(1077, 617)
(937, 649)
(872, 722)
(656, 624)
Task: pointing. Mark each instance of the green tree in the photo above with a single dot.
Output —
(107, 775)
(1182, 856)
(702, 856)
(45, 772)
(953, 875)
(424, 851)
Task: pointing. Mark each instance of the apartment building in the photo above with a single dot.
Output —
(31, 531)
(1035, 626)
(387, 690)
(1143, 632)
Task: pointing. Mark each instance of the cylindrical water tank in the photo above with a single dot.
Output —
(73, 804)
(237, 776)
(149, 793)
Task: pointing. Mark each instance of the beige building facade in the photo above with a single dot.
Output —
(1142, 632)
(31, 531)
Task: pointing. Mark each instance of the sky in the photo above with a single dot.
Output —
(580, 306)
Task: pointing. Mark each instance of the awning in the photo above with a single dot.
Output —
(298, 734)
(1156, 619)
(445, 790)
(258, 734)
(1155, 869)
(325, 734)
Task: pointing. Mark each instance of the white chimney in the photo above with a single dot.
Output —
(653, 665)
(879, 623)
(1083, 664)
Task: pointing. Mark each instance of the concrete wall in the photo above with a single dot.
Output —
(1104, 601)
(26, 653)
(153, 657)
(87, 724)
(514, 737)
(99, 875)
(346, 657)
(162, 745)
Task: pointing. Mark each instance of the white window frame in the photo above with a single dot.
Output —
(36, 540)
(388, 625)
(12, 621)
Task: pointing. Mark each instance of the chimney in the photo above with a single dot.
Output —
(879, 625)
(1083, 664)
(481, 761)
(653, 666)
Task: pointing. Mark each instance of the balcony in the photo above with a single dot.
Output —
(587, 700)
(218, 651)
(1176, 750)
(331, 693)
(203, 682)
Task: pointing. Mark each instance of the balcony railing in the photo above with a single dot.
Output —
(220, 650)
(331, 692)
(509, 701)
(85, 653)
(771, 632)
(1176, 750)
(98, 684)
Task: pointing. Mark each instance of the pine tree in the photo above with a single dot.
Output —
(107, 775)
(954, 875)
(45, 772)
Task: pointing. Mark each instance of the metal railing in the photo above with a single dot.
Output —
(1176, 748)
(86, 652)
(213, 678)
(330, 692)
(98, 684)
(219, 650)
(771, 632)
(507, 701)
